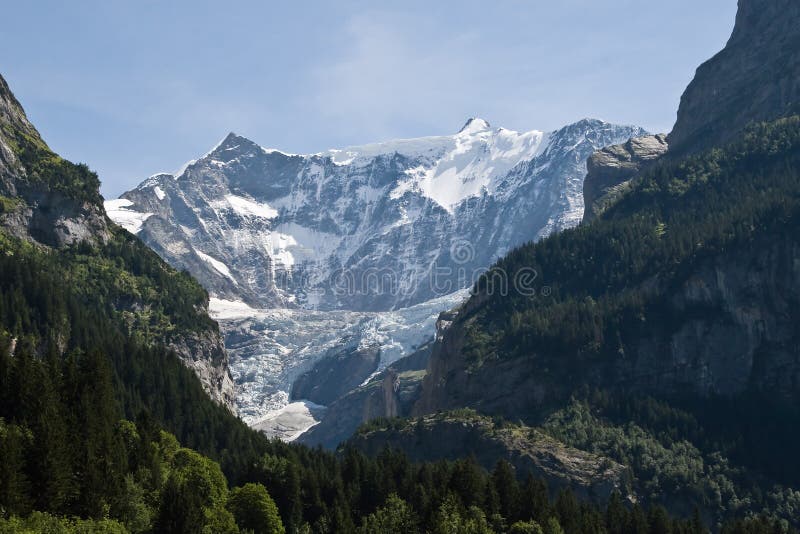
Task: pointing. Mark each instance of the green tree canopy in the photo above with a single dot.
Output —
(254, 509)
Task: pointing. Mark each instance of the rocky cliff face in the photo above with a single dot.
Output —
(55, 204)
(336, 374)
(727, 322)
(38, 206)
(754, 78)
(391, 393)
(204, 353)
(727, 326)
(610, 170)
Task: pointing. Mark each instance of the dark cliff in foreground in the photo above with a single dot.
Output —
(697, 249)
(754, 78)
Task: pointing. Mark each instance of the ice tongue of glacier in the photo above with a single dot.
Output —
(270, 349)
(357, 247)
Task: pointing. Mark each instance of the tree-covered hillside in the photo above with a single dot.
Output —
(607, 281)
(685, 290)
(95, 409)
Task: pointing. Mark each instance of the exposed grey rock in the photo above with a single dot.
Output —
(391, 393)
(756, 77)
(610, 170)
(40, 213)
(205, 354)
(337, 373)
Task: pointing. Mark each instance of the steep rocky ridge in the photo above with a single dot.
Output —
(368, 228)
(56, 206)
(45, 199)
(753, 79)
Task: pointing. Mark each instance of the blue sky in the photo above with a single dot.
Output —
(137, 87)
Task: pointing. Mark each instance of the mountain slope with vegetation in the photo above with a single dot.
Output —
(670, 318)
(51, 209)
(98, 404)
(686, 290)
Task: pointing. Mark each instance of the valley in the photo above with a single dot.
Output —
(307, 256)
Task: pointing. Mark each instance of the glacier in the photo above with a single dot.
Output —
(353, 251)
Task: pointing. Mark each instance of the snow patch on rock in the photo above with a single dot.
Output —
(247, 207)
(119, 211)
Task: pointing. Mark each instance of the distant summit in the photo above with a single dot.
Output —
(268, 220)
(474, 125)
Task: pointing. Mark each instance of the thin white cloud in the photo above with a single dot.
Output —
(385, 76)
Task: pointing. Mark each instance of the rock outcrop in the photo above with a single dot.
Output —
(336, 374)
(204, 353)
(754, 78)
(391, 393)
(54, 204)
(448, 436)
(610, 170)
(35, 206)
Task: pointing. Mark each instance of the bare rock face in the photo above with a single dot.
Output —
(391, 393)
(756, 77)
(204, 353)
(33, 208)
(610, 169)
(337, 374)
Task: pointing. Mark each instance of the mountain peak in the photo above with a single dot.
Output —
(230, 146)
(232, 140)
(475, 125)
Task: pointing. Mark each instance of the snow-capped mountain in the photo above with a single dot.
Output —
(375, 227)
(307, 255)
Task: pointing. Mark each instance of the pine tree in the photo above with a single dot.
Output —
(505, 483)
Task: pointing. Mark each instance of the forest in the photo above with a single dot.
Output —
(104, 430)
